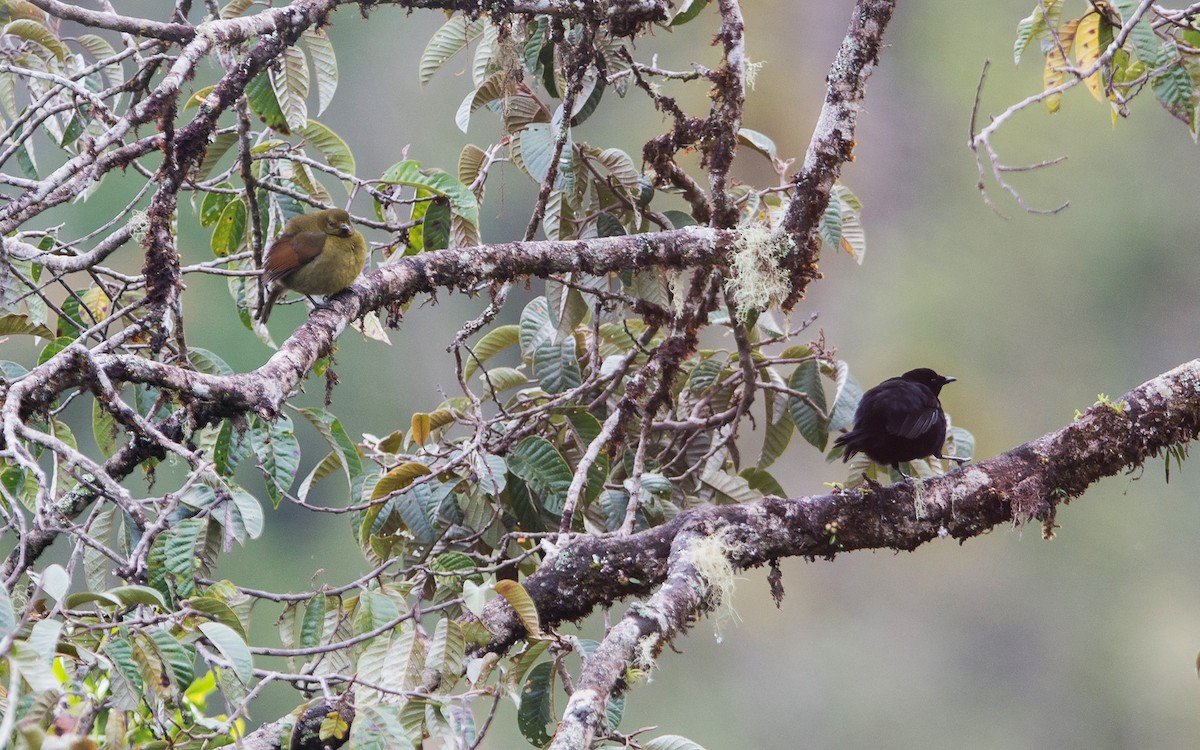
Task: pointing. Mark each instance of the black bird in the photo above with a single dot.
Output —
(899, 420)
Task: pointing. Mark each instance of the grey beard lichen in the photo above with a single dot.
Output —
(756, 279)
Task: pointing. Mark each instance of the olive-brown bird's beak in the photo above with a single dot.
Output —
(344, 230)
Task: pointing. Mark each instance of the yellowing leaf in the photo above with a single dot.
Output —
(97, 302)
(1087, 52)
(420, 428)
(519, 599)
(198, 98)
(398, 478)
(1055, 71)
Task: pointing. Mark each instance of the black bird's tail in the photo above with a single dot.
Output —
(852, 442)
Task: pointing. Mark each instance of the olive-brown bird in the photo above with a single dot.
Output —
(318, 253)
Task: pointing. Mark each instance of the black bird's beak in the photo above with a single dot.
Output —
(948, 379)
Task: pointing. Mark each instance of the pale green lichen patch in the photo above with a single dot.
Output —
(709, 556)
(139, 224)
(756, 279)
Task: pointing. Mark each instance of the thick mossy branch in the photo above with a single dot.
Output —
(1025, 483)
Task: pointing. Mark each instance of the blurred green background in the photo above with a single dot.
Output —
(1009, 641)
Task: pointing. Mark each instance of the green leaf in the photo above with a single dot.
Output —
(493, 342)
(290, 83)
(320, 49)
(497, 86)
(621, 168)
(133, 595)
(731, 488)
(533, 151)
(706, 374)
(220, 146)
(679, 219)
(54, 582)
(330, 145)
(261, 97)
(447, 651)
(179, 552)
(446, 42)
(486, 52)
(248, 515)
(556, 366)
(520, 110)
(688, 9)
(21, 324)
(203, 360)
(231, 446)
(278, 453)
(568, 307)
(812, 423)
(536, 327)
(95, 564)
(491, 472)
(312, 628)
(335, 437)
(778, 436)
(436, 225)
(405, 660)
(100, 49)
(213, 204)
(757, 141)
(762, 481)
(500, 379)
(535, 715)
(8, 616)
(175, 655)
(53, 348)
(373, 610)
(39, 34)
(235, 8)
(534, 41)
(378, 727)
(217, 610)
(1035, 25)
(462, 201)
(1173, 87)
(470, 163)
(232, 647)
(852, 238)
(418, 506)
(32, 667)
(543, 468)
(11, 371)
(230, 231)
(589, 97)
(328, 465)
(846, 399)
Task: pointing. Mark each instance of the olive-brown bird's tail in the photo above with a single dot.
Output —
(264, 312)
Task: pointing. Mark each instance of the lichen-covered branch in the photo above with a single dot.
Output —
(1027, 483)
(832, 143)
